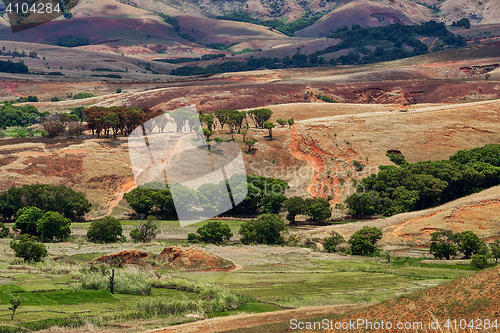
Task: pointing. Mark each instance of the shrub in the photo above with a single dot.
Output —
(105, 230)
(27, 247)
(126, 281)
(83, 95)
(54, 225)
(282, 122)
(4, 230)
(265, 230)
(363, 241)
(213, 232)
(146, 231)
(27, 219)
(118, 91)
(479, 261)
(330, 243)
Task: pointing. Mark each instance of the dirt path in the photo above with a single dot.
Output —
(221, 324)
(131, 184)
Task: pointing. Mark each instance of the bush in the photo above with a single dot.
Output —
(4, 230)
(126, 281)
(265, 230)
(146, 231)
(83, 95)
(27, 219)
(479, 261)
(54, 225)
(213, 232)
(330, 243)
(363, 241)
(105, 230)
(28, 248)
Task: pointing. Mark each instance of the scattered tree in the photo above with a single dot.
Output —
(269, 126)
(145, 231)
(495, 250)
(213, 232)
(15, 302)
(294, 206)
(54, 225)
(4, 230)
(27, 220)
(479, 261)
(319, 209)
(469, 243)
(290, 122)
(363, 241)
(443, 245)
(250, 144)
(259, 116)
(266, 229)
(105, 230)
(281, 121)
(330, 243)
(27, 247)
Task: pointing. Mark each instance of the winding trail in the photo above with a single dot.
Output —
(223, 324)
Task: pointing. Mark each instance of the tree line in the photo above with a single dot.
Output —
(119, 119)
(408, 187)
(61, 199)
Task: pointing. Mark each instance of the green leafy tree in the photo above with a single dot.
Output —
(479, 261)
(363, 241)
(266, 229)
(294, 206)
(318, 208)
(27, 220)
(250, 144)
(330, 243)
(15, 302)
(145, 231)
(213, 232)
(290, 122)
(269, 126)
(4, 230)
(495, 250)
(105, 230)
(259, 116)
(54, 226)
(443, 245)
(469, 243)
(27, 247)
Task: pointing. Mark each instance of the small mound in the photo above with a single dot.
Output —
(131, 257)
(194, 259)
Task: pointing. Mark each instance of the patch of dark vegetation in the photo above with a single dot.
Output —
(288, 29)
(70, 41)
(417, 186)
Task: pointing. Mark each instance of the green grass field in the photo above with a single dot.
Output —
(273, 277)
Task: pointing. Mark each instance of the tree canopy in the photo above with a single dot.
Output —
(426, 184)
(61, 199)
